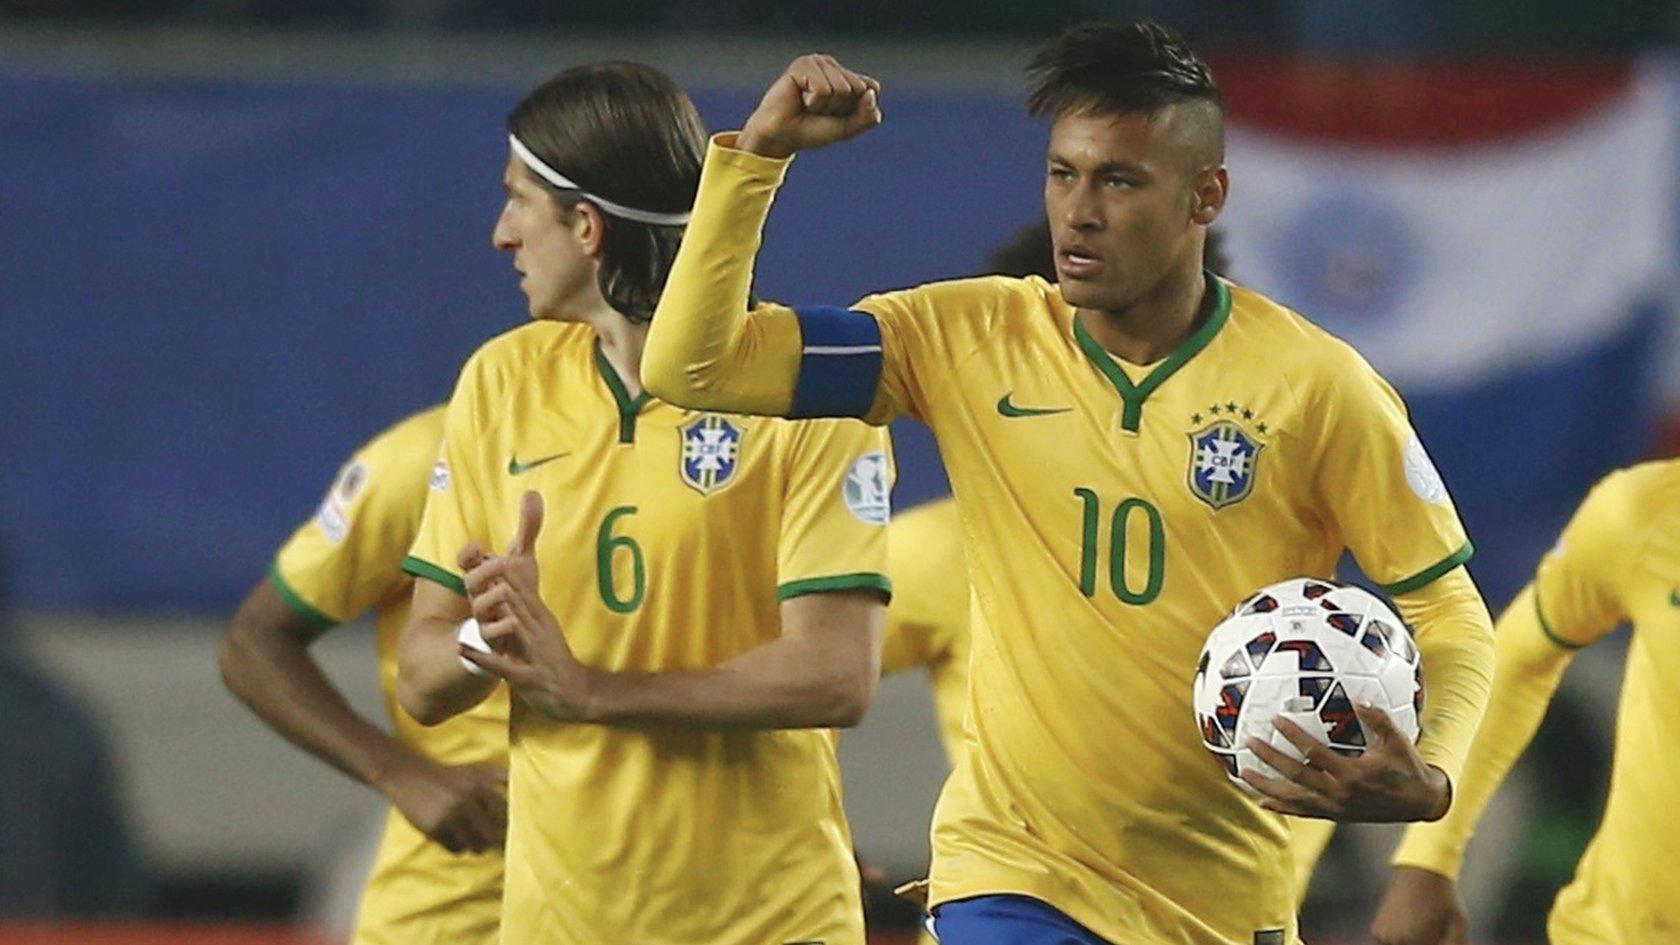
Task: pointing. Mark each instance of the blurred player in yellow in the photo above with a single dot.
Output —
(709, 599)
(927, 621)
(1132, 451)
(437, 877)
(1617, 562)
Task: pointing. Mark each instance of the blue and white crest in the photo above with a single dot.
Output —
(1222, 463)
(711, 450)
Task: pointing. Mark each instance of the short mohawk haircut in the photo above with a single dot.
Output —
(1117, 67)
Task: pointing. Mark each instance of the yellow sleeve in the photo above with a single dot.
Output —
(928, 621)
(1572, 602)
(1387, 500)
(456, 497)
(1308, 836)
(1455, 641)
(835, 509)
(705, 350)
(349, 556)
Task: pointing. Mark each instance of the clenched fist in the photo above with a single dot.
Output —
(816, 102)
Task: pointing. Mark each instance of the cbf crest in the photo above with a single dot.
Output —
(1223, 458)
(711, 452)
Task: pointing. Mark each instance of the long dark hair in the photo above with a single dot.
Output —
(628, 134)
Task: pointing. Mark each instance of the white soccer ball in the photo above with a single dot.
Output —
(1304, 649)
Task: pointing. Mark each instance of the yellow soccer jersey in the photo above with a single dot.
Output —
(1257, 451)
(669, 539)
(1618, 561)
(345, 560)
(927, 627)
(927, 622)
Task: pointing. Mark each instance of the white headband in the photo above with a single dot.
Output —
(616, 209)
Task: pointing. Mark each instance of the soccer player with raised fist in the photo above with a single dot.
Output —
(1134, 448)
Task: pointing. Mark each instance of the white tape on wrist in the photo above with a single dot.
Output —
(470, 635)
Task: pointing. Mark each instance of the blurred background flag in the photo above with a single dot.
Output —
(1472, 230)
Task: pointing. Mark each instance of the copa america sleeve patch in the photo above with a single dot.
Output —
(440, 476)
(333, 516)
(1422, 475)
(867, 489)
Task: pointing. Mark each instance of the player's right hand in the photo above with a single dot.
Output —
(463, 808)
(816, 102)
(1422, 908)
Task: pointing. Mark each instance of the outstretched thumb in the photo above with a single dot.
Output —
(530, 524)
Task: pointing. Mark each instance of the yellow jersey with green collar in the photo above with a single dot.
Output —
(1617, 562)
(669, 540)
(928, 629)
(1118, 513)
(345, 561)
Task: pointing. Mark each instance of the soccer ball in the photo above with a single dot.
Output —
(1304, 649)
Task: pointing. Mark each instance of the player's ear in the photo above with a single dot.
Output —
(1208, 190)
(589, 226)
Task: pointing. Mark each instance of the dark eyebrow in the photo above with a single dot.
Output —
(1107, 167)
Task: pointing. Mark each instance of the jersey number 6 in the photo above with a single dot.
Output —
(606, 546)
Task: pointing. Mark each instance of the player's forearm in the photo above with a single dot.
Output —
(1455, 637)
(271, 670)
(432, 683)
(288, 691)
(1528, 668)
(704, 350)
(789, 683)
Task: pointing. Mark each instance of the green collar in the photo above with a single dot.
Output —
(1217, 298)
(628, 407)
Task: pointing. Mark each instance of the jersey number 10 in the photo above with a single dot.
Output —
(1119, 547)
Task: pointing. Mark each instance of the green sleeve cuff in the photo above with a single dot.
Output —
(1430, 574)
(1546, 625)
(435, 574)
(294, 600)
(863, 580)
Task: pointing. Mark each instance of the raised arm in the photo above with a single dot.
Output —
(705, 350)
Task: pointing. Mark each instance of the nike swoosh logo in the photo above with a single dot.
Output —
(1674, 597)
(1010, 410)
(515, 467)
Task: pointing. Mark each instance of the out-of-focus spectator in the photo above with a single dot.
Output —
(65, 850)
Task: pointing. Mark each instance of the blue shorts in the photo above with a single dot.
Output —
(1007, 920)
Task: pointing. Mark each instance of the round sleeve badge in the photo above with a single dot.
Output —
(867, 489)
(1422, 475)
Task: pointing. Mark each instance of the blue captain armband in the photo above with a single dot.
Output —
(840, 365)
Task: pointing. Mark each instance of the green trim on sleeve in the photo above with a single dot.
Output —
(295, 601)
(435, 574)
(1428, 575)
(863, 580)
(1546, 625)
